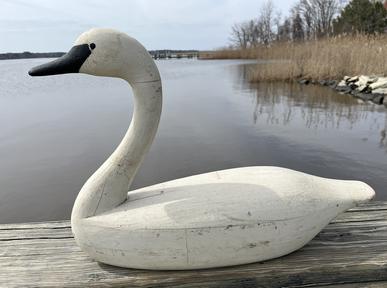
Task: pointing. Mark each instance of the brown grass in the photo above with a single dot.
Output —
(330, 58)
(229, 54)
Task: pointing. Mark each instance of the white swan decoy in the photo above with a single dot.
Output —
(216, 219)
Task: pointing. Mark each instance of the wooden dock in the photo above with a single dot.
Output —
(351, 252)
(173, 54)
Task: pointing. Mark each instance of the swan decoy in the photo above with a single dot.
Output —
(217, 219)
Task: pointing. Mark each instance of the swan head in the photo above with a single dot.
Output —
(104, 52)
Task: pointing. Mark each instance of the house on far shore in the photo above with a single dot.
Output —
(384, 3)
(381, 1)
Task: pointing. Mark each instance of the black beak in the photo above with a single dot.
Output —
(71, 62)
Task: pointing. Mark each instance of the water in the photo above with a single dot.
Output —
(55, 131)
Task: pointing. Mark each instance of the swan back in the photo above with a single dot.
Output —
(217, 219)
(229, 197)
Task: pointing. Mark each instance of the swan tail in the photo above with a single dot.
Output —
(359, 192)
(362, 192)
(350, 192)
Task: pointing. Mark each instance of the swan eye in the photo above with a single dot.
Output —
(92, 46)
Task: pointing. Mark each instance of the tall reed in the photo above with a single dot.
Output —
(329, 58)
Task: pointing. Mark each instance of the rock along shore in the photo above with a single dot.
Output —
(366, 88)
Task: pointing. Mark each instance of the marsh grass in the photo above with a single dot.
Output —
(330, 58)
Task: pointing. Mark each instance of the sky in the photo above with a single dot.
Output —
(53, 25)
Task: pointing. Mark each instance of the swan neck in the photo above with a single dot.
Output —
(107, 188)
(142, 130)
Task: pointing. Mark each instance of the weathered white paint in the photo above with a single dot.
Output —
(215, 219)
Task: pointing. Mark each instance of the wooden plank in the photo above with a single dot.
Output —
(357, 216)
(374, 205)
(381, 284)
(36, 225)
(352, 249)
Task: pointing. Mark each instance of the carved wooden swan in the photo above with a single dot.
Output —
(215, 219)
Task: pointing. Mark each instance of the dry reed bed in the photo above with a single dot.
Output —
(330, 58)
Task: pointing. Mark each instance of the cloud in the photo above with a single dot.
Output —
(54, 25)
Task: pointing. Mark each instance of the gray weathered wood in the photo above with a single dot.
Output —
(352, 250)
(381, 284)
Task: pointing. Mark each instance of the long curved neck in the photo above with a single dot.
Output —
(108, 186)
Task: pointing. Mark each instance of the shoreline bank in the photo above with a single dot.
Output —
(367, 88)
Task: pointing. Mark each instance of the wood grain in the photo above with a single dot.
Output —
(351, 251)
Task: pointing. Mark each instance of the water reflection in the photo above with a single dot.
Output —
(318, 107)
(383, 142)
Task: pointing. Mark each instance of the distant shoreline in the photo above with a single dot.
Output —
(155, 54)
(28, 55)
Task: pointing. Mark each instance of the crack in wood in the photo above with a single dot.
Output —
(34, 238)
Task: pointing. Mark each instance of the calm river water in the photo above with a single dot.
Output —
(55, 131)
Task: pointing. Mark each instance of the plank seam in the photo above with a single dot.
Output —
(35, 238)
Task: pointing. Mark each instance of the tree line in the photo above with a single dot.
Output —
(310, 19)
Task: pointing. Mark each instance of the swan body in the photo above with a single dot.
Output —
(221, 218)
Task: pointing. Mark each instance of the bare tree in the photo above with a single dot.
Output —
(267, 21)
(297, 27)
(278, 23)
(253, 32)
(239, 35)
(284, 32)
(306, 17)
(317, 16)
(257, 31)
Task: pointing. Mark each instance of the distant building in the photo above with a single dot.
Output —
(384, 3)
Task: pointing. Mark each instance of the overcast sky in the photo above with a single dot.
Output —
(47, 25)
